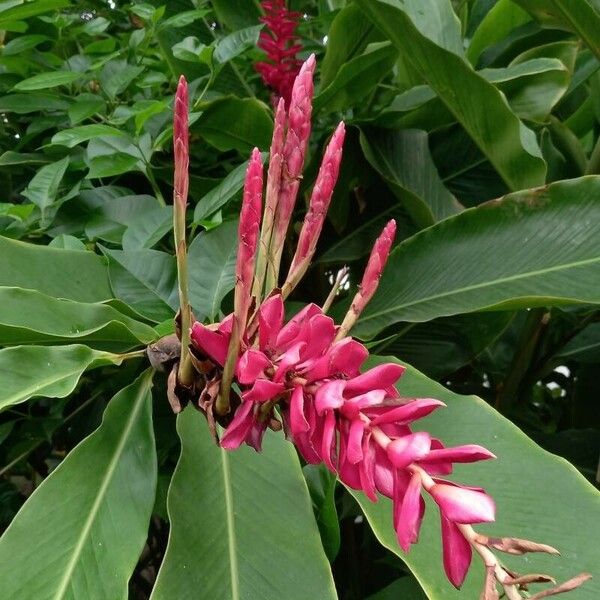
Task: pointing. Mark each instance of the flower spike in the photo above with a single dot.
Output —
(244, 270)
(180, 194)
(370, 280)
(317, 210)
(294, 153)
(272, 198)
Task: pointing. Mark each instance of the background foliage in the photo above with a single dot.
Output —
(473, 123)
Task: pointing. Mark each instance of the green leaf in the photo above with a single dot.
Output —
(29, 317)
(44, 81)
(117, 75)
(67, 242)
(245, 505)
(222, 193)
(236, 124)
(146, 280)
(348, 36)
(439, 348)
(211, 260)
(10, 158)
(582, 17)
(406, 587)
(584, 347)
(533, 87)
(112, 216)
(113, 155)
(477, 105)
(43, 188)
(109, 166)
(357, 78)
(83, 133)
(188, 49)
(321, 485)
(503, 17)
(27, 103)
(182, 19)
(235, 43)
(89, 518)
(148, 228)
(30, 9)
(71, 274)
(85, 106)
(359, 241)
(533, 248)
(403, 159)
(23, 43)
(516, 480)
(48, 371)
(237, 14)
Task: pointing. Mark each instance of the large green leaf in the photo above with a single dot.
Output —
(30, 9)
(532, 88)
(44, 81)
(28, 103)
(539, 496)
(579, 16)
(236, 123)
(241, 524)
(477, 105)
(81, 532)
(503, 17)
(357, 78)
(146, 280)
(43, 188)
(83, 133)
(403, 159)
(49, 371)
(29, 317)
(348, 35)
(532, 248)
(359, 241)
(237, 13)
(212, 268)
(222, 193)
(71, 274)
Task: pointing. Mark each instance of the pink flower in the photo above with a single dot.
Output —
(280, 43)
(357, 423)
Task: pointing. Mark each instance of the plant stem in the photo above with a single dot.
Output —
(536, 321)
(185, 364)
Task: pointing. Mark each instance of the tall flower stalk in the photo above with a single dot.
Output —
(180, 195)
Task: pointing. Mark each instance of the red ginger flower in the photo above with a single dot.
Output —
(280, 43)
(356, 423)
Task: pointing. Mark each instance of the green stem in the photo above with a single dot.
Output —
(186, 374)
(507, 397)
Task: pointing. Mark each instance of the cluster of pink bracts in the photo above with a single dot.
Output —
(281, 46)
(356, 423)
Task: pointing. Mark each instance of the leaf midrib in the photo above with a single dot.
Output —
(484, 284)
(112, 465)
(229, 517)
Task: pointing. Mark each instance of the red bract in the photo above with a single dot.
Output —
(280, 43)
(356, 423)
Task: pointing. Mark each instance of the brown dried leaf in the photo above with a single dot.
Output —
(524, 580)
(515, 545)
(567, 586)
(171, 390)
(164, 352)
